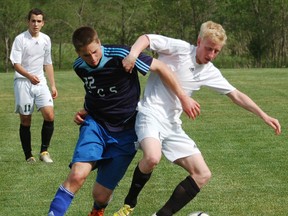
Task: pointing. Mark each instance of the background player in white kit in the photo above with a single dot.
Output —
(158, 123)
(31, 56)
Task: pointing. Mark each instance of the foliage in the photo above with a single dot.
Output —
(257, 30)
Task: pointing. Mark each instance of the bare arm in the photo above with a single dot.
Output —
(20, 69)
(140, 44)
(247, 103)
(190, 106)
(50, 75)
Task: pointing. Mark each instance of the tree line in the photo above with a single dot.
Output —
(256, 29)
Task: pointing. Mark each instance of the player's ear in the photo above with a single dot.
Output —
(198, 41)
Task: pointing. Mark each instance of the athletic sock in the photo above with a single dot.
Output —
(183, 193)
(61, 202)
(25, 137)
(46, 134)
(98, 207)
(138, 182)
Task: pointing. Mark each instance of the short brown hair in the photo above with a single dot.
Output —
(83, 36)
(35, 11)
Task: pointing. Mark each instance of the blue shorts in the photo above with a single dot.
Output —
(113, 152)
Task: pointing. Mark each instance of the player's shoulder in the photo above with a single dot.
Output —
(168, 39)
(22, 35)
(112, 50)
(78, 63)
(44, 36)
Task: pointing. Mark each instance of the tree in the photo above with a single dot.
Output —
(12, 22)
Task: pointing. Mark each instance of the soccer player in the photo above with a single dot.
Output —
(30, 54)
(158, 124)
(107, 132)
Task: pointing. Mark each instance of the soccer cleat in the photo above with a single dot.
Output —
(31, 160)
(45, 156)
(95, 212)
(124, 211)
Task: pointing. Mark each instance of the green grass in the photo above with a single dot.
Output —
(248, 163)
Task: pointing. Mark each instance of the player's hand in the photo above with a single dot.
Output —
(190, 107)
(128, 63)
(54, 92)
(274, 123)
(34, 79)
(80, 116)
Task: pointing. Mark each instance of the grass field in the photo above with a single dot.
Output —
(248, 162)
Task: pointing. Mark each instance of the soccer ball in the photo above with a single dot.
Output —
(199, 213)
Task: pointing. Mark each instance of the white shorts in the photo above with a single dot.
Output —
(175, 142)
(27, 94)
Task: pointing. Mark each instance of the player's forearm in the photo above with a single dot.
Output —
(140, 44)
(168, 77)
(247, 103)
(50, 75)
(21, 70)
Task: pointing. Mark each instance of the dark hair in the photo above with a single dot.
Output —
(84, 36)
(35, 11)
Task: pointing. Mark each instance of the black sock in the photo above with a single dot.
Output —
(98, 207)
(25, 137)
(46, 134)
(138, 182)
(183, 193)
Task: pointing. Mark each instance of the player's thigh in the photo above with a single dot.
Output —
(151, 148)
(43, 97)
(177, 144)
(24, 100)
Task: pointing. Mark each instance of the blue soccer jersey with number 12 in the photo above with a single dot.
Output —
(112, 93)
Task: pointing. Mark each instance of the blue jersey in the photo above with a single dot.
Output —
(112, 93)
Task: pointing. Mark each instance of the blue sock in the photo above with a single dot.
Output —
(61, 202)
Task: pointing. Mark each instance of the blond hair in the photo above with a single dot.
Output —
(214, 32)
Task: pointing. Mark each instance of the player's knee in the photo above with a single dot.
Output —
(25, 120)
(207, 176)
(203, 178)
(49, 117)
(152, 161)
(77, 179)
(48, 114)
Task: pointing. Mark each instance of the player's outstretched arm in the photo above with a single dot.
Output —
(247, 103)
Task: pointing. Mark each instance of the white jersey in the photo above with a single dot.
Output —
(180, 56)
(32, 53)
